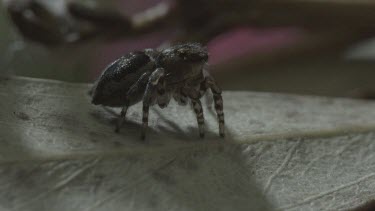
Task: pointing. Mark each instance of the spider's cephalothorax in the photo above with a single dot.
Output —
(154, 77)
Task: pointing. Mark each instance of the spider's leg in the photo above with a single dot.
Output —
(121, 118)
(132, 93)
(197, 105)
(148, 97)
(194, 96)
(144, 121)
(218, 100)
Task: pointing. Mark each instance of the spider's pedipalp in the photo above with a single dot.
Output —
(180, 98)
(163, 97)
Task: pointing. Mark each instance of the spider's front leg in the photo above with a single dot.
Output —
(149, 97)
(197, 105)
(218, 100)
(194, 96)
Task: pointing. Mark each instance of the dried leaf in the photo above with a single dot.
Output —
(59, 152)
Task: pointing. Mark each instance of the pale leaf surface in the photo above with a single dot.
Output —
(59, 152)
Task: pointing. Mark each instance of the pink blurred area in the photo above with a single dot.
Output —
(223, 48)
(250, 41)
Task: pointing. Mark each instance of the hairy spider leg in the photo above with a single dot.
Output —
(130, 95)
(144, 121)
(194, 96)
(148, 98)
(218, 100)
(197, 106)
(121, 118)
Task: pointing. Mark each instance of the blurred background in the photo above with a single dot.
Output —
(306, 47)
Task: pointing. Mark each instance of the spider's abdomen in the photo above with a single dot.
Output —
(111, 87)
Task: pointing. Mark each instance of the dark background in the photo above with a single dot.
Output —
(311, 53)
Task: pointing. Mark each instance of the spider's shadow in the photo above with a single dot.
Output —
(174, 130)
(171, 128)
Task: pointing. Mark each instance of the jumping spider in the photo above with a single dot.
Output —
(154, 77)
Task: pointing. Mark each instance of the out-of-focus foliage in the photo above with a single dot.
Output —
(22, 57)
(87, 35)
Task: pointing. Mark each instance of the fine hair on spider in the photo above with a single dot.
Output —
(155, 77)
